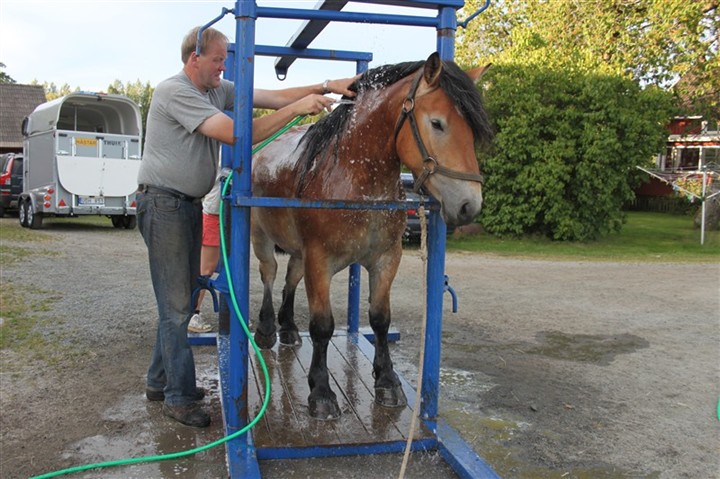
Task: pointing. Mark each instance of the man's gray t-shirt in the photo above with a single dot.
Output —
(176, 156)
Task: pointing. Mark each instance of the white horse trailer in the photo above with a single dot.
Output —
(82, 156)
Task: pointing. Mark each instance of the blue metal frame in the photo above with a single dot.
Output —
(233, 347)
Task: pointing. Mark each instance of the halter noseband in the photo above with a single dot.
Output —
(430, 164)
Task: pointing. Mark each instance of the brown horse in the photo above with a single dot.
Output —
(426, 116)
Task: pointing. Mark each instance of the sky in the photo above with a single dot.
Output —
(91, 43)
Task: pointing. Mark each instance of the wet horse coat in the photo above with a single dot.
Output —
(427, 116)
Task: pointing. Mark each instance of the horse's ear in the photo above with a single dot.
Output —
(433, 69)
(477, 73)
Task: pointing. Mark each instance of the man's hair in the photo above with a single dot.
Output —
(189, 43)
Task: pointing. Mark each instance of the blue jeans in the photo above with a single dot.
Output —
(172, 230)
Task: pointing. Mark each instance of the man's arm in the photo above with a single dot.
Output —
(220, 126)
(288, 103)
(276, 99)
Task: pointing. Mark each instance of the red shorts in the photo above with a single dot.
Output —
(211, 230)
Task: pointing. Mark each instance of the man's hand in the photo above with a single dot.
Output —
(312, 104)
(340, 86)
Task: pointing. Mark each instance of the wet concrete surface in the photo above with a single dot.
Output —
(135, 428)
(555, 370)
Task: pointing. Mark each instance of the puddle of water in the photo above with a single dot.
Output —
(136, 428)
(492, 437)
(598, 349)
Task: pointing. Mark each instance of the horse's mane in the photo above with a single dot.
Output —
(453, 81)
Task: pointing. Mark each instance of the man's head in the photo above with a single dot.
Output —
(206, 69)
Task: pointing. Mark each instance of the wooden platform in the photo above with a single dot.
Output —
(286, 423)
(286, 431)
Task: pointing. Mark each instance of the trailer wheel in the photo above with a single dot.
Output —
(33, 218)
(22, 213)
(117, 221)
(129, 222)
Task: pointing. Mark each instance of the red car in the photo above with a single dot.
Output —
(11, 181)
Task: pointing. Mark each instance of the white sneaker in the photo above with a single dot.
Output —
(198, 325)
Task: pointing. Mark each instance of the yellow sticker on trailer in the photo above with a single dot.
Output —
(86, 141)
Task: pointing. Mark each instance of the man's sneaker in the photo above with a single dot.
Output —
(188, 414)
(159, 394)
(198, 325)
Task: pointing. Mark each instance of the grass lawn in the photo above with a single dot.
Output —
(644, 237)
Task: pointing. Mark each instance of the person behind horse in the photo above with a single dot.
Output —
(209, 253)
(185, 127)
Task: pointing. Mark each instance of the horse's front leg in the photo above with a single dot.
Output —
(322, 401)
(388, 389)
(265, 332)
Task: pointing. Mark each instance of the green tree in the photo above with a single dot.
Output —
(52, 91)
(567, 145)
(4, 77)
(139, 92)
(652, 42)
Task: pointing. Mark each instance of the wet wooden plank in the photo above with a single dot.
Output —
(281, 409)
(384, 424)
(353, 396)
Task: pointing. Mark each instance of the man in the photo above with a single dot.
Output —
(185, 127)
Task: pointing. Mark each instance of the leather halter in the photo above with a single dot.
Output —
(430, 164)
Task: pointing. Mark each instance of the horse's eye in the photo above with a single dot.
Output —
(437, 125)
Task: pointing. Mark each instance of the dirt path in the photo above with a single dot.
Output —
(550, 369)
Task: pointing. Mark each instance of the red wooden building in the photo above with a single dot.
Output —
(692, 146)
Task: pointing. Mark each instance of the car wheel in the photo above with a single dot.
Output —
(129, 222)
(22, 213)
(117, 221)
(2, 211)
(34, 218)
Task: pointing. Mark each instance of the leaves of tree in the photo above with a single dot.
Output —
(652, 42)
(564, 160)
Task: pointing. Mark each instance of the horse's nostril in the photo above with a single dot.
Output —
(465, 210)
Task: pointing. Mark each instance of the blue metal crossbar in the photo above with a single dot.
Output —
(268, 202)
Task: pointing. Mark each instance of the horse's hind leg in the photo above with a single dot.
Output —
(388, 389)
(289, 335)
(265, 335)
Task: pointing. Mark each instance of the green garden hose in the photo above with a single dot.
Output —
(241, 320)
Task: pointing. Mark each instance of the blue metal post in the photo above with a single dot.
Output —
(355, 270)
(433, 333)
(436, 260)
(236, 411)
(354, 298)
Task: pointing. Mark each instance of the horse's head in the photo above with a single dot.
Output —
(441, 121)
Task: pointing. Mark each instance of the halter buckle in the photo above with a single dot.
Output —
(408, 105)
(434, 162)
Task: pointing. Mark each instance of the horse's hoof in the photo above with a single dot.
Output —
(323, 409)
(290, 338)
(391, 397)
(265, 341)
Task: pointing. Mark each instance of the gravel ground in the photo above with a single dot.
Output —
(550, 369)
